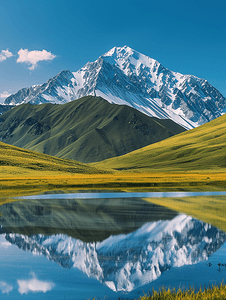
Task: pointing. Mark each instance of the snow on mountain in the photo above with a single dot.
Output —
(125, 76)
(125, 262)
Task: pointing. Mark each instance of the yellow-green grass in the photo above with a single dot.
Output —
(18, 158)
(202, 148)
(20, 168)
(191, 160)
(23, 172)
(209, 209)
(211, 293)
(18, 179)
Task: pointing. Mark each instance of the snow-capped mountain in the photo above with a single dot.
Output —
(125, 262)
(125, 76)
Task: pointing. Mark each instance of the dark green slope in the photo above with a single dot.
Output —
(4, 108)
(89, 129)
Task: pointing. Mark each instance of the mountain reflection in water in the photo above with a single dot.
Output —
(123, 243)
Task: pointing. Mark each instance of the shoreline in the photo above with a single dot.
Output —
(155, 180)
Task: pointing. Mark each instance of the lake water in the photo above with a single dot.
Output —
(103, 245)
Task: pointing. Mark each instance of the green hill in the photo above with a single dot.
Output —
(202, 148)
(13, 159)
(88, 130)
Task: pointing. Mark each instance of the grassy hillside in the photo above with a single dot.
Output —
(14, 158)
(26, 172)
(89, 129)
(193, 159)
(202, 148)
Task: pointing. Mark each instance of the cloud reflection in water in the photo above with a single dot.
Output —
(34, 285)
(5, 287)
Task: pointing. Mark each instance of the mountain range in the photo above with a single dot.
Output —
(125, 76)
(89, 129)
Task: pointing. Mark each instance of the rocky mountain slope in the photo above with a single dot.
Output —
(89, 129)
(125, 76)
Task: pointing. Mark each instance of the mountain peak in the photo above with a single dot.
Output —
(117, 50)
(122, 56)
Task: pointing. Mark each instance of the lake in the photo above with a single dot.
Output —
(86, 245)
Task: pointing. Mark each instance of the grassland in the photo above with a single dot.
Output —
(19, 180)
(193, 160)
(17, 159)
(199, 149)
(211, 293)
(22, 170)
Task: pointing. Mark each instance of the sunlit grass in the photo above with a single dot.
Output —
(210, 293)
(214, 292)
(18, 161)
(202, 148)
(22, 179)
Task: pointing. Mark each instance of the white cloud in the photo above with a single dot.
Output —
(4, 95)
(34, 285)
(5, 287)
(33, 57)
(5, 54)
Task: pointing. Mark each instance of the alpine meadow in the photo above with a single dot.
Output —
(112, 162)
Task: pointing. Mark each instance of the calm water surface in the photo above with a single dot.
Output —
(85, 245)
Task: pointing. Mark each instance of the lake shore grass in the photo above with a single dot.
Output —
(215, 292)
(206, 208)
(20, 180)
(210, 293)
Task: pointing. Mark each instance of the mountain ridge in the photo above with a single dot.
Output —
(125, 76)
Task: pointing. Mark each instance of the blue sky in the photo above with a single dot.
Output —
(44, 37)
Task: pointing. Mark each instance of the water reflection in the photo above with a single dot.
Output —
(85, 219)
(114, 195)
(34, 285)
(124, 262)
(118, 245)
